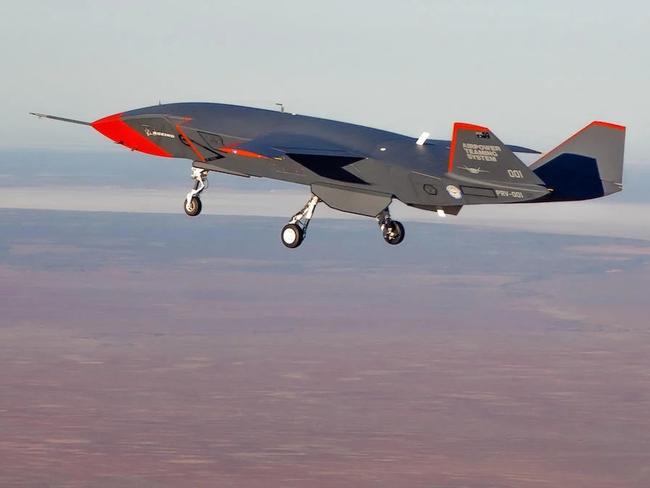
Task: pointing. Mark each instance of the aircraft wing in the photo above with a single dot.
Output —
(323, 157)
(278, 145)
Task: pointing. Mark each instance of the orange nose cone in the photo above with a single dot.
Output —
(116, 129)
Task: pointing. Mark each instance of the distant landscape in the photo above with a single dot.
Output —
(151, 350)
(112, 181)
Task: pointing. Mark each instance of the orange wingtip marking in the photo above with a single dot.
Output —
(608, 125)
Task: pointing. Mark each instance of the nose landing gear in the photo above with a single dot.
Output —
(193, 204)
(391, 230)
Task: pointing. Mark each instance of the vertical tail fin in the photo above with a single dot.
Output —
(476, 152)
(486, 169)
(587, 165)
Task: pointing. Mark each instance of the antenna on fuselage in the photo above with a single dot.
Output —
(281, 105)
(423, 138)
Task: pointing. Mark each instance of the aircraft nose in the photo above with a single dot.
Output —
(115, 127)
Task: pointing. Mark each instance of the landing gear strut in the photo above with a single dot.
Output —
(391, 230)
(192, 201)
(295, 231)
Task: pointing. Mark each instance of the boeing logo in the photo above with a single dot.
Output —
(151, 133)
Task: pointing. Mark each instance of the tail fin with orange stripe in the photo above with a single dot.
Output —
(587, 165)
(476, 153)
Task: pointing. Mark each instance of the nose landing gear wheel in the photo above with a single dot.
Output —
(393, 232)
(292, 235)
(193, 207)
(192, 204)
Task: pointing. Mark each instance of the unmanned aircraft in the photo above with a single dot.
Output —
(361, 170)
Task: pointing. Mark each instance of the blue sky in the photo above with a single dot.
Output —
(533, 71)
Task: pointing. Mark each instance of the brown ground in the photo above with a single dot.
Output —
(124, 375)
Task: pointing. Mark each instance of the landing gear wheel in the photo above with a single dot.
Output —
(292, 235)
(193, 207)
(394, 233)
(192, 204)
(296, 230)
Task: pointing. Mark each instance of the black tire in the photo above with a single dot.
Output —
(398, 232)
(194, 207)
(292, 235)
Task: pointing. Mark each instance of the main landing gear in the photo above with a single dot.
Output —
(391, 230)
(295, 231)
(192, 200)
